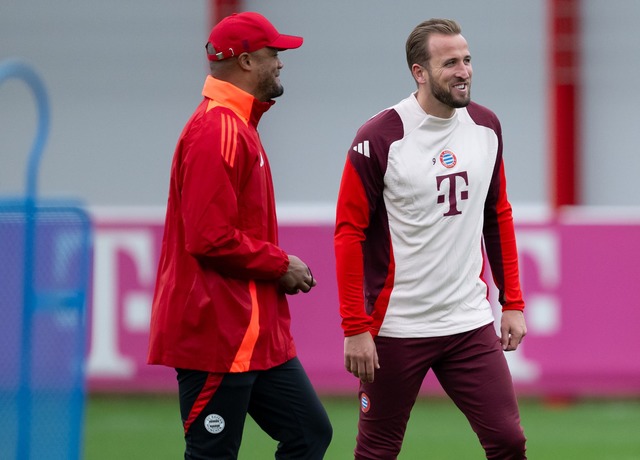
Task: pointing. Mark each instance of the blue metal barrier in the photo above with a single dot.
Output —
(45, 248)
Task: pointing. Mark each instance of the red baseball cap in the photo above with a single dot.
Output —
(245, 33)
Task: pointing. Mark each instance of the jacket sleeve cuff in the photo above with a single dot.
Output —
(285, 266)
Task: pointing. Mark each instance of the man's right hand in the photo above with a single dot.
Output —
(360, 356)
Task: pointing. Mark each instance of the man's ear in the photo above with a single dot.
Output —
(245, 61)
(419, 74)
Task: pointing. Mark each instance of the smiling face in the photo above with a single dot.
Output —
(444, 83)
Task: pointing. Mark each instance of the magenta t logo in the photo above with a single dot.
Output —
(453, 195)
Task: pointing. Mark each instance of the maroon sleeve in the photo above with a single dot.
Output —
(498, 231)
(362, 242)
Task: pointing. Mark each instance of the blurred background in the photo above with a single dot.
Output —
(123, 78)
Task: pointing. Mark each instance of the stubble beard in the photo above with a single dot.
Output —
(270, 88)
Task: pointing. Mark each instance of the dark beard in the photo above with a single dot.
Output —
(446, 98)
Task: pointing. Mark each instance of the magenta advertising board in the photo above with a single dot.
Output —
(580, 276)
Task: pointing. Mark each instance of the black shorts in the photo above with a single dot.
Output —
(281, 400)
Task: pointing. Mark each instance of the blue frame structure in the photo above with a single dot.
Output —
(45, 312)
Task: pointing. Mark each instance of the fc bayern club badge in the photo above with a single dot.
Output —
(365, 404)
(448, 159)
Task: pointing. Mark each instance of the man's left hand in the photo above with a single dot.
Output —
(512, 329)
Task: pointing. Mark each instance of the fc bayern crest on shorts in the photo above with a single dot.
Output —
(365, 404)
(448, 159)
(214, 423)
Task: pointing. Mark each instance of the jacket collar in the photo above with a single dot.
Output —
(242, 103)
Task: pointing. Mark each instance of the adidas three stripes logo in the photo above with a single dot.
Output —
(362, 148)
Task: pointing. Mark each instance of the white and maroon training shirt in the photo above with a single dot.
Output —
(419, 196)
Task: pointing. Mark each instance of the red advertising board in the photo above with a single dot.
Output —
(580, 278)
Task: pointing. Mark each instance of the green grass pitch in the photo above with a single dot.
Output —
(148, 427)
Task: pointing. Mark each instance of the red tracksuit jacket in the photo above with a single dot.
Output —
(217, 304)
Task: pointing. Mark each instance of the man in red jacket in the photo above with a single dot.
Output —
(220, 314)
